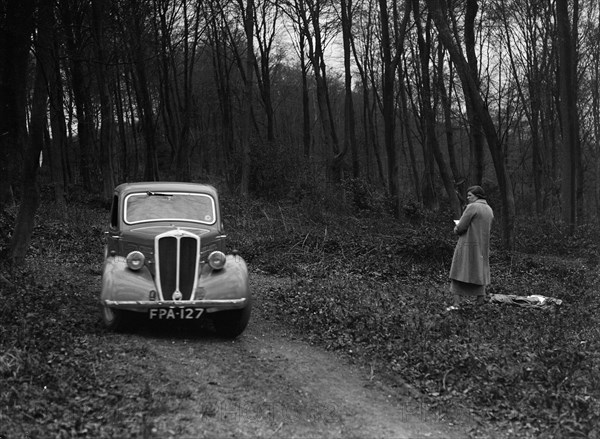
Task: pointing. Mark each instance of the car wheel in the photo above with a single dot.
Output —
(113, 319)
(230, 324)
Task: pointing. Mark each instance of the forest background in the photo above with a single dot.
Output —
(416, 100)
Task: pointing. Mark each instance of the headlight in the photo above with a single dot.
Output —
(135, 260)
(216, 260)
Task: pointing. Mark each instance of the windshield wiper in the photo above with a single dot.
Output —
(157, 194)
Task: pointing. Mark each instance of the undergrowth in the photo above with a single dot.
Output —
(376, 289)
(59, 371)
(362, 283)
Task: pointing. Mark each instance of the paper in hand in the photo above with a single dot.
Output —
(456, 222)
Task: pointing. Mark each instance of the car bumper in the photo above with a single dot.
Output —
(210, 305)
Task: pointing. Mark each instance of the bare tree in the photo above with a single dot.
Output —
(445, 93)
(297, 13)
(316, 40)
(390, 60)
(177, 29)
(530, 51)
(246, 125)
(364, 63)
(106, 106)
(217, 36)
(30, 196)
(17, 24)
(135, 32)
(567, 70)
(593, 46)
(475, 129)
(127, 107)
(57, 145)
(431, 145)
(266, 21)
(119, 98)
(346, 9)
(405, 95)
(471, 88)
(73, 14)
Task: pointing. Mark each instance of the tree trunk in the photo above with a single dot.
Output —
(317, 58)
(371, 122)
(416, 179)
(476, 135)
(81, 95)
(222, 80)
(387, 91)
(16, 24)
(445, 98)
(120, 117)
(596, 119)
(266, 31)
(177, 94)
(106, 109)
(532, 103)
(299, 16)
(58, 143)
(306, 126)
(145, 106)
(247, 105)
(30, 193)
(471, 88)
(568, 113)
(168, 88)
(349, 119)
(370, 137)
(134, 169)
(427, 117)
(424, 42)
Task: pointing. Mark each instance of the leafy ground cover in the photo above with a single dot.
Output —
(376, 289)
(362, 284)
(58, 377)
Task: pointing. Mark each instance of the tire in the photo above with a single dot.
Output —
(230, 324)
(114, 319)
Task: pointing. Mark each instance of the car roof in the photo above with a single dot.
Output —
(158, 186)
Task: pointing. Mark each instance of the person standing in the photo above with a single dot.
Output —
(470, 270)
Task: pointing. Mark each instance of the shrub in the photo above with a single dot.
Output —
(274, 169)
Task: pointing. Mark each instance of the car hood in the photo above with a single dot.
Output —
(145, 234)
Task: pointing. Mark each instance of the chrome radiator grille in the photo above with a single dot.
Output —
(177, 260)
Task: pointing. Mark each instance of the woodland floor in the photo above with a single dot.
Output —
(349, 337)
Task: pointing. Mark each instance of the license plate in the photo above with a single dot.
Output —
(175, 313)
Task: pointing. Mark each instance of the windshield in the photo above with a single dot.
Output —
(169, 206)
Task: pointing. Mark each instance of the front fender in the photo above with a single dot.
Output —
(231, 282)
(119, 283)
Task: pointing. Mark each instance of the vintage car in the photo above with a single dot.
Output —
(165, 257)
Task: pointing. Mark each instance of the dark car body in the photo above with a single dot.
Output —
(165, 256)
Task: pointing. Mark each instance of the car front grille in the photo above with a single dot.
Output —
(177, 260)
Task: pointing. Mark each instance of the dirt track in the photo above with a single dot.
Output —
(267, 383)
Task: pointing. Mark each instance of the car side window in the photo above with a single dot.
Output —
(114, 212)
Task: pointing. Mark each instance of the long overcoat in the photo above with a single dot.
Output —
(470, 262)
